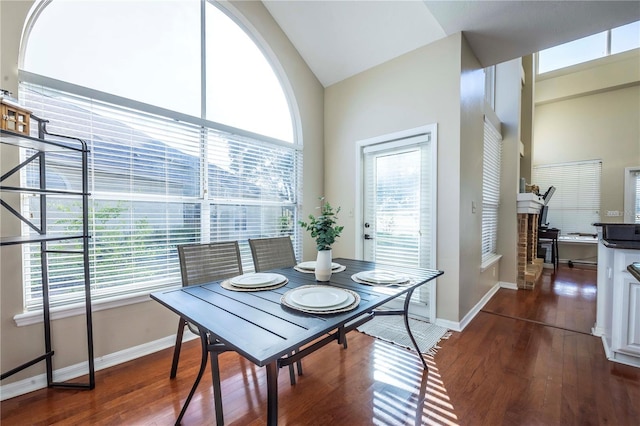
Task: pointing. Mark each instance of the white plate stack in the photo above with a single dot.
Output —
(310, 267)
(321, 299)
(259, 280)
(380, 277)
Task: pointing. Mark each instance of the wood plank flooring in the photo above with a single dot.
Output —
(501, 370)
(565, 299)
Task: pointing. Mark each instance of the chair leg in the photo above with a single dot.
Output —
(342, 337)
(299, 363)
(177, 347)
(292, 374)
(292, 371)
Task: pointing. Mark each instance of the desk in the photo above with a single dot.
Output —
(259, 328)
(550, 235)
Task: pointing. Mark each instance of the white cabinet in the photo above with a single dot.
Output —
(604, 299)
(618, 306)
(626, 296)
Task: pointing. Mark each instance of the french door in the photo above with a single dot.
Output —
(398, 204)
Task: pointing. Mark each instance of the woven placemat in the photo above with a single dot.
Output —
(227, 285)
(353, 305)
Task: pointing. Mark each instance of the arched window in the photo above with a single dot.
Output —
(190, 132)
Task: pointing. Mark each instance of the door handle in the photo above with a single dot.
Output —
(368, 237)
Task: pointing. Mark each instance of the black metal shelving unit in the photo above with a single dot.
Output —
(45, 143)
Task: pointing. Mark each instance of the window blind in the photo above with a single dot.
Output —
(637, 197)
(398, 201)
(575, 205)
(155, 182)
(491, 169)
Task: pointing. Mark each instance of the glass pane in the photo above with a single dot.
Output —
(625, 38)
(637, 196)
(575, 52)
(397, 208)
(575, 205)
(148, 51)
(242, 89)
(241, 222)
(239, 168)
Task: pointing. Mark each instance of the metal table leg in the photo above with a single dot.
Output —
(203, 365)
(406, 324)
(272, 393)
(217, 389)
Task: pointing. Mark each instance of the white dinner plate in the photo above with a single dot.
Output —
(260, 279)
(381, 277)
(311, 265)
(350, 299)
(319, 297)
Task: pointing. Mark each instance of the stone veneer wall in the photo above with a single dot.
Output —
(529, 267)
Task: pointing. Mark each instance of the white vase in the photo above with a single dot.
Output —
(323, 265)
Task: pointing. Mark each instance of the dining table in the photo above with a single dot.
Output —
(270, 330)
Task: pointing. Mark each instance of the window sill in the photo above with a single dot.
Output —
(489, 262)
(77, 309)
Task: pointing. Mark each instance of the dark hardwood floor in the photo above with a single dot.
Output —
(565, 299)
(505, 368)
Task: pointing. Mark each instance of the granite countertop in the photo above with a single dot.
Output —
(634, 268)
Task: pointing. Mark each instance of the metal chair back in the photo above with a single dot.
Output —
(272, 253)
(202, 263)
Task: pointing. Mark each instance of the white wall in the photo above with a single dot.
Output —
(508, 104)
(123, 328)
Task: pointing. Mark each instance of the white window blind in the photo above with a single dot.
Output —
(398, 176)
(637, 195)
(575, 205)
(155, 182)
(491, 169)
(632, 194)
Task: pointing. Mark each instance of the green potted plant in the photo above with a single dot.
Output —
(325, 231)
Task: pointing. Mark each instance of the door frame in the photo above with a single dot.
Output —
(432, 129)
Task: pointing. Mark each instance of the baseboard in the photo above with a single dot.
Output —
(459, 326)
(34, 383)
(509, 286)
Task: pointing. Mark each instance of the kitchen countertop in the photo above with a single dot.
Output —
(634, 268)
(621, 244)
(620, 235)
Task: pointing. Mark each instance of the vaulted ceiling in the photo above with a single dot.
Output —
(339, 39)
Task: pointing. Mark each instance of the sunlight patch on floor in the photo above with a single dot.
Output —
(573, 289)
(398, 374)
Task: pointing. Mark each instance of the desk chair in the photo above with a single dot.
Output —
(274, 253)
(550, 236)
(203, 263)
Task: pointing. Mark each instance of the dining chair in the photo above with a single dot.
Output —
(274, 253)
(200, 264)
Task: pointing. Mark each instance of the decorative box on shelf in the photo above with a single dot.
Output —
(529, 203)
(15, 118)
